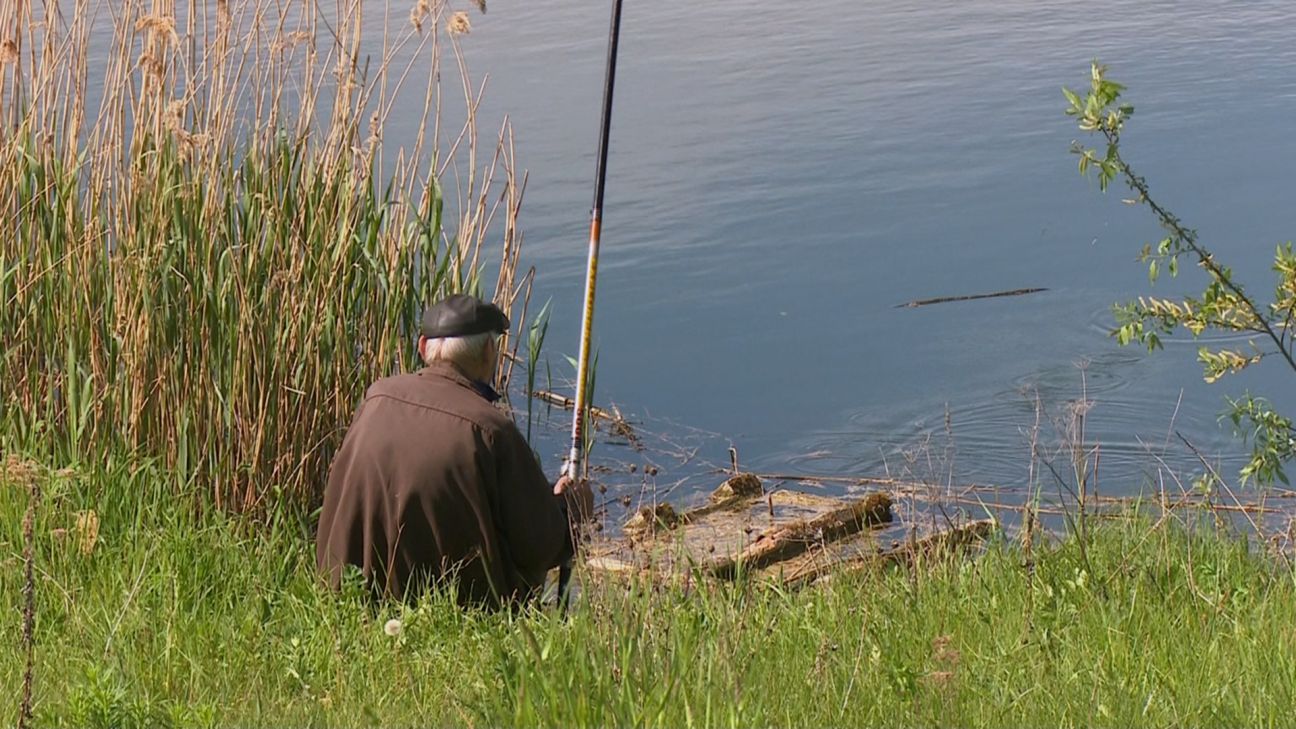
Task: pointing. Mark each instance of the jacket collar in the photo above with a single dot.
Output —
(452, 372)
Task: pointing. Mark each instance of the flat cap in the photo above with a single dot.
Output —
(461, 315)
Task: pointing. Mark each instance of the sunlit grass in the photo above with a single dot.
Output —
(192, 618)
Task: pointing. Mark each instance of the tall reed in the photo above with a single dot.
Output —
(206, 249)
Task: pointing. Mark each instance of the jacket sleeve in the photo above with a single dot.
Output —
(533, 521)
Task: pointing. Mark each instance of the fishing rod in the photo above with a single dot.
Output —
(577, 454)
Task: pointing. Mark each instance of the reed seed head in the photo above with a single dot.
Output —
(458, 24)
(288, 41)
(162, 26)
(173, 117)
(419, 13)
(150, 65)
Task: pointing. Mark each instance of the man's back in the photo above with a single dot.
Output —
(431, 478)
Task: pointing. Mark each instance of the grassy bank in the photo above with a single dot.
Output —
(168, 615)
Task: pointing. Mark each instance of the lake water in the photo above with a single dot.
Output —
(781, 177)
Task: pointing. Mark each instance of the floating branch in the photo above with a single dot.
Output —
(971, 297)
(619, 424)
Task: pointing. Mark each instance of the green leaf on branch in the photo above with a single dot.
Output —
(1223, 306)
(1273, 442)
(1074, 99)
(1216, 364)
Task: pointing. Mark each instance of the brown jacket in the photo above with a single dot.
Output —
(433, 480)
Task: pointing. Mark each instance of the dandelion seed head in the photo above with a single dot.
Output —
(392, 627)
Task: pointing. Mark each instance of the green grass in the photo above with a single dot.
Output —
(190, 618)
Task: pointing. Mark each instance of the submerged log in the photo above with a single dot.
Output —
(944, 542)
(790, 540)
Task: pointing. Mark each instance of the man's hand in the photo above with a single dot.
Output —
(580, 498)
(564, 482)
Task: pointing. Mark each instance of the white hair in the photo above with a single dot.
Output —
(468, 352)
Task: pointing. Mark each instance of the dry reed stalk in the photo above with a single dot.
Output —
(211, 258)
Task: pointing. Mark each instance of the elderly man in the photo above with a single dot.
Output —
(434, 483)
